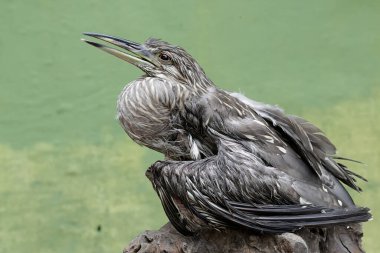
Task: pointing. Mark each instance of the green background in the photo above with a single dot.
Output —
(67, 168)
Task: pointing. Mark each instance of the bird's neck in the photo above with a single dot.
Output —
(196, 84)
(200, 84)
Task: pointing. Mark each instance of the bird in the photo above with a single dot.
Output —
(230, 162)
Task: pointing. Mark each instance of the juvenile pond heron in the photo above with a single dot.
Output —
(230, 162)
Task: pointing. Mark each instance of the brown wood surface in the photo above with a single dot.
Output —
(327, 240)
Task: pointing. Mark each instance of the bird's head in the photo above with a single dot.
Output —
(156, 58)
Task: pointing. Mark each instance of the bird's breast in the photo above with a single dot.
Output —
(148, 109)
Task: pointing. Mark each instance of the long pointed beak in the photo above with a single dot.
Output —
(136, 53)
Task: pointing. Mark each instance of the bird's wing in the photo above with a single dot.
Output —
(307, 140)
(282, 140)
(227, 190)
(170, 208)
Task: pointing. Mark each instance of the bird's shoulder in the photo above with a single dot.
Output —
(222, 112)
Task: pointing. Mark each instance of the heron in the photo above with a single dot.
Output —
(230, 162)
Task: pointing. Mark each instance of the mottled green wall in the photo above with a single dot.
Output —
(66, 167)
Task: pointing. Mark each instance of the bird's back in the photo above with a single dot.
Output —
(287, 143)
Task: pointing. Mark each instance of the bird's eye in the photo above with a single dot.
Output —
(164, 57)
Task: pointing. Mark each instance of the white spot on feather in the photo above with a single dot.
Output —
(340, 202)
(259, 122)
(190, 195)
(269, 138)
(251, 137)
(194, 150)
(281, 149)
(304, 201)
(324, 188)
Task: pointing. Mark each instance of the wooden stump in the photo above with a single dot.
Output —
(326, 240)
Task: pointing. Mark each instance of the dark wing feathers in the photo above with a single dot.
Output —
(277, 218)
(307, 140)
(314, 147)
(172, 212)
(346, 159)
(315, 135)
(218, 207)
(276, 209)
(352, 173)
(170, 209)
(230, 216)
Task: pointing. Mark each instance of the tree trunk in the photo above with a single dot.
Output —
(335, 239)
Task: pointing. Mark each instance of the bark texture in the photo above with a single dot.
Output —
(328, 240)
